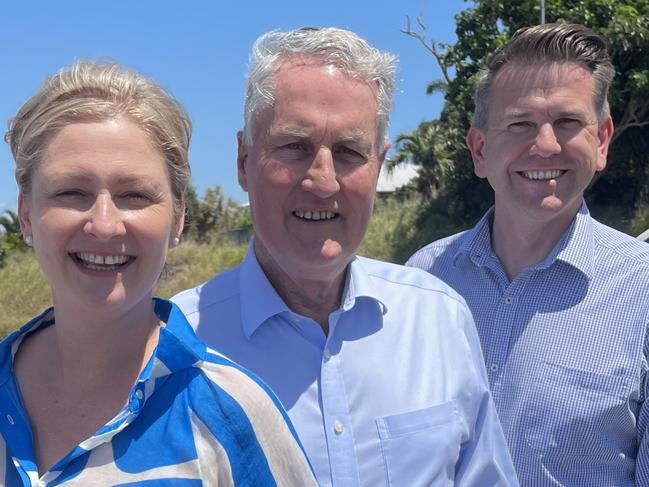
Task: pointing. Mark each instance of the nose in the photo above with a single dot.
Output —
(105, 219)
(546, 143)
(320, 178)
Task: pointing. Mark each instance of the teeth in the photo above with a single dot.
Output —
(555, 173)
(314, 215)
(101, 260)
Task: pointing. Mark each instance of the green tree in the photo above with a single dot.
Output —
(439, 146)
(213, 216)
(11, 239)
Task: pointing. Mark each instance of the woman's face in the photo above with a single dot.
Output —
(101, 215)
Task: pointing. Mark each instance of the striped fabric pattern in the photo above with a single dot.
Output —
(565, 345)
(192, 418)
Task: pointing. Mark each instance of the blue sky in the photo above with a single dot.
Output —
(198, 50)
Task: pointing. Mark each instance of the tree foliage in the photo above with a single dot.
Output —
(213, 216)
(438, 145)
(11, 239)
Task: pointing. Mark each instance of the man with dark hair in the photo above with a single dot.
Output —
(378, 365)
(561, 301)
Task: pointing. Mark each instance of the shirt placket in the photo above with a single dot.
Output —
(335, 410)
(502, 328)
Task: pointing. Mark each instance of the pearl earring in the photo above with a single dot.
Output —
(175, 242)
(28, 240)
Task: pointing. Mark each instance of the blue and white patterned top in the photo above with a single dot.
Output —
(395, 395)
(566, 345)
(193, 418)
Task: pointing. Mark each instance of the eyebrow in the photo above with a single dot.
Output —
(517, 113)
(136, 180)
(353, 135)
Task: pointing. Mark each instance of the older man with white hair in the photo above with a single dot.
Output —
(378, 365)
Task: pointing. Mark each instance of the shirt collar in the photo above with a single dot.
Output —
(360, 285)
(259, 300)
(477, 244)
(9, 346)
(178, 346)
(256, 288)
(575, 247)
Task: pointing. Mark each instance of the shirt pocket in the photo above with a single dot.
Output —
(575, 413)
(421, 448)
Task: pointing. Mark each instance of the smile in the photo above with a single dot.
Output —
(101, 262)
(315, 215)
(542, 175)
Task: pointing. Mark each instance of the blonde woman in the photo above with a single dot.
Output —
(111, 386)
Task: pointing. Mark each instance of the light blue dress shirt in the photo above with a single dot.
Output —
(396, 394)
(565, 344)
(192, 418)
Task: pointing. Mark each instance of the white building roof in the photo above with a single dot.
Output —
(400, 175)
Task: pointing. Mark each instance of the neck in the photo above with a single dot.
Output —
(316, 299)
(521, 244)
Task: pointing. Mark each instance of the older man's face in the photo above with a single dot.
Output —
(311, 172)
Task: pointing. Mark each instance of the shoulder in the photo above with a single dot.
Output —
(250, 416)
(398, 280)
(444, 248)
(221, 287)
(615, 244)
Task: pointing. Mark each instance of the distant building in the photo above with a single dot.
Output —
(392, 179)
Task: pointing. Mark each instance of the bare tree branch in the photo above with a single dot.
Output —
(421, 37)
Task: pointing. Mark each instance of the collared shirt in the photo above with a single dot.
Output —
(396, 394)
(192, 418)
(565, 344)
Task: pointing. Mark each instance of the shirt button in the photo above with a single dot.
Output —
(326, 355)
(10, 419)
(494, 367)
(509, 300)
(622, 456)
(139, 394)
(338, 427)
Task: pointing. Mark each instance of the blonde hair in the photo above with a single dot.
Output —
(96, 91)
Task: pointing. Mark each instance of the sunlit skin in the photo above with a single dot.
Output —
(541, 147)
(101, 188)
(315, 150)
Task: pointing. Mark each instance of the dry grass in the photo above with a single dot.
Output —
(24, 292)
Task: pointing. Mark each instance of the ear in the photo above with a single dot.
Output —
(242, 160)
(605, 134)
(475, 141)
(24, 205)
(384, 152)
(380, 158)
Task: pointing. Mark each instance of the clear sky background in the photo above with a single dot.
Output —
(198, 50)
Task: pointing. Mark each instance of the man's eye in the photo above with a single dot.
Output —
(568, 123)
(70, 193)
(294, 146)
(521, 126)
(349, 154)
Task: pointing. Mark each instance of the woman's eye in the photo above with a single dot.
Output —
(134, 196)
